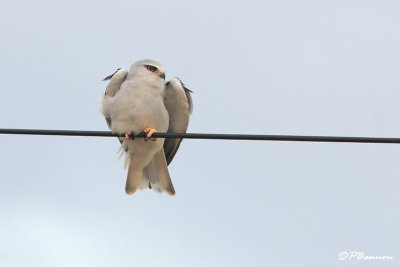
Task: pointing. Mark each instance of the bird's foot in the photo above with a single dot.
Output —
(149, 132)
(129, 135)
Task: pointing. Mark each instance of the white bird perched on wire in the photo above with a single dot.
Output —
(140, 100)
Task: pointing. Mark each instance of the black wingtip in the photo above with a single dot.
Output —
(183, 85)
(188, 90)
(110, 76)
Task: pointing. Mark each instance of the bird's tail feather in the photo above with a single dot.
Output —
(134, 178)
(154, 176)
(150, 176)
(161, 171)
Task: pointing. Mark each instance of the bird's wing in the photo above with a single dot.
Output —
(116, 79)
(178, 102)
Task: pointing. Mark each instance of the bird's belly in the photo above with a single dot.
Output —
(137, 115)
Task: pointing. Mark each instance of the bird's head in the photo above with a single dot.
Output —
(149, 71)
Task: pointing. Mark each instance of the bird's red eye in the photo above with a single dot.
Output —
(151, 68)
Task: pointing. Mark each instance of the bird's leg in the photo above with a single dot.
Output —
(149, 132)
(129, 135)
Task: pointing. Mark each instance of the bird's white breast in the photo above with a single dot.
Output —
(136, 107)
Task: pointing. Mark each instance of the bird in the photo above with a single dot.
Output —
(139, 100)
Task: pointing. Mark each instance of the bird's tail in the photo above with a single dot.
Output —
(134, 178)
(157, 175)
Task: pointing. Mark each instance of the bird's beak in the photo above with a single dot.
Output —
(162, 75)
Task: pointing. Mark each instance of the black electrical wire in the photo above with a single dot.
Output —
(296, 138)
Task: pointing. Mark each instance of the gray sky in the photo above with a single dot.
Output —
(267, 67)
